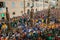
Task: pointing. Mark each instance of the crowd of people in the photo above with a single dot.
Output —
(22, 30)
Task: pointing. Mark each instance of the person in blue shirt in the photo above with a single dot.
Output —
(24, 20)
(0, 26)
(35, 28)
(21, 20)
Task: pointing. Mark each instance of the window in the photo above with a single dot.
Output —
(57, 0)
(21, 4)
(37, 4)
(36, 0)
(36, 9)
(46, 1)
(28, 4)
(54, 0)
(13, 4)
(32, 5)
(4, 5)
(28, 11)
(52, 7)
(45, 5)
(53, 3)
(40, 4)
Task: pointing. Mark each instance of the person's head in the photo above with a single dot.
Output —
(2, 23)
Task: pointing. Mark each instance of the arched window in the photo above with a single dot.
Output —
(28, 11)
(13, 4)
(36, 9)
(28, 4)
(36, 0)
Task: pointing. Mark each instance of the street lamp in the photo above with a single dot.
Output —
(8, 18)
(48, 15)
(51, 6)
(31, 17)
(24, 6)
(43, 4)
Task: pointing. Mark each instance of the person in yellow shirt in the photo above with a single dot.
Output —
(33, 20)
(42, 25)
(36, 20)
(42, 20)
(4, 26)
(53, 26)
(45, 25)
(50, 26)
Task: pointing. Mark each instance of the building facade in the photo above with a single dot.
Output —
(18, 7)
(58, 3)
